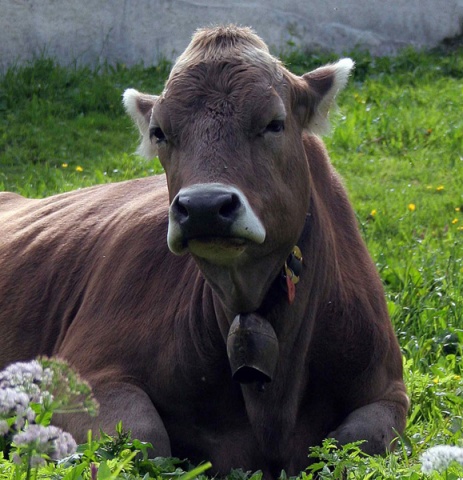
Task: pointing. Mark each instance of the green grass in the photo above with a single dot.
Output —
(54, 120)
(398, 142)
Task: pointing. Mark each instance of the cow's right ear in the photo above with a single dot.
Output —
(140, 106)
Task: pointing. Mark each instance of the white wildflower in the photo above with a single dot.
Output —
(28, 377)
(13, 402)
(64, 447)
(50, 440)
(19, 373)
(440, 457)
(30, 414)
(4, 428)
(16, 404)
(20, 422)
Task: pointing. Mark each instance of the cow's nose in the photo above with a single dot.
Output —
(207, 211)
(215, 208)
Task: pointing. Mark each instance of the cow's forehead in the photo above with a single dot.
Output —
(224, 74)
(247, 57)
(223, 91)
(227, 76)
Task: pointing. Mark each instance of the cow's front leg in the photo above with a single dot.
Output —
(120, 401)
(379, 424)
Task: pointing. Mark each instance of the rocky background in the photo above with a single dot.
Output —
(134, 31)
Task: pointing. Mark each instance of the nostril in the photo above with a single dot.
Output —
(180, 208)
(230, 206)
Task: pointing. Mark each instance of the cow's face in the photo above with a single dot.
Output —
(228, 131)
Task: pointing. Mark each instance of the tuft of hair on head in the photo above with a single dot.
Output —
(226, 36)
(225, 42)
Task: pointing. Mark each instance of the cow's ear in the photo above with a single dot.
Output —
(139, 106)
(323, 84)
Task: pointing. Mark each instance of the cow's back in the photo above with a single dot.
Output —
(50, 248)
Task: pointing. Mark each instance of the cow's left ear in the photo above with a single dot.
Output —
(323, 84)
(139, 106)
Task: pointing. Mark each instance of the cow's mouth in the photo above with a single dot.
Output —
(212, 220)
(215, 248)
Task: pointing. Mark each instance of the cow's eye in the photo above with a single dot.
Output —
(158, 134)
(275, 126)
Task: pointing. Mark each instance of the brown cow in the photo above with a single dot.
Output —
(224, 344)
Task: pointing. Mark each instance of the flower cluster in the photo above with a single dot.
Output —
(22, 384)
(440, 457)
(39, 440)
(30, 392)
(14, 404)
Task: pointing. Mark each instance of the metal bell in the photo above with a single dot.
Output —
(252, 348)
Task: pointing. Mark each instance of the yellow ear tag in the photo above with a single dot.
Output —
(297, 253)
(292, 272)
(288, 270)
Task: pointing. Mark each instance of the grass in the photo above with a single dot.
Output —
(398, 143)
(56, 120)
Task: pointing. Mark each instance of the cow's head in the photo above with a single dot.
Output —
(228, 130)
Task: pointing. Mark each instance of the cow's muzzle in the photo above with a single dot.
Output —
(212, 220)
(252, 348)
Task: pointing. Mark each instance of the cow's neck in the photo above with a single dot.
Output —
(294, 324)
(273, 410)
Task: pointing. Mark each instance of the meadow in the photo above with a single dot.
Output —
(397, 141)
